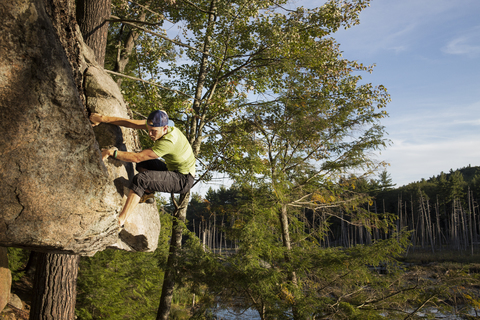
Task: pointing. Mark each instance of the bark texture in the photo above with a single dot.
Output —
(92, 17)
(55, 287)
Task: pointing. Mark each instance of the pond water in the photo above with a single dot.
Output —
(252, 314)
(429, 312)
(249, 314)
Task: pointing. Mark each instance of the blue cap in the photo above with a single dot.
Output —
(158, 118)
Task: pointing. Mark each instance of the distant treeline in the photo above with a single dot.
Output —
(441, 212)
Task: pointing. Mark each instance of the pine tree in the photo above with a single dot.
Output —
(260, 276)
(385, 181)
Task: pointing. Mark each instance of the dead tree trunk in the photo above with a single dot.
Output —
(470, 226)
(437, 216)
(474, 222)
(430, 228)
(421, 224)
(414, 234)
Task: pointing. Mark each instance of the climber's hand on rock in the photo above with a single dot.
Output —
(106, 153)
(96, 119)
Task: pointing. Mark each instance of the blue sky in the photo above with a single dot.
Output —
(427, 54)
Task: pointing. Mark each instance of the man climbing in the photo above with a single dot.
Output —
(175, 175)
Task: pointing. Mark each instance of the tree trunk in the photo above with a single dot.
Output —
(414, 235)
(470, 226)
(437, 215)
(172, 268)
(54, 287)
(194, 134)
(288, 245)
(92, 17)
(125, 49)
(286, 239)
(474, 222)
(400, 212)
(430, 227)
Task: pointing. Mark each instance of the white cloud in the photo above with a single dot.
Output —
(432, 138)
(466, 44)
(412, 162)
(470, 122)
(432, 112)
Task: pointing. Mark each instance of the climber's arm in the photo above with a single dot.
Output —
(136, 157)
(96, 119)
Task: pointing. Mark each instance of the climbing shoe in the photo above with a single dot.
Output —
(148, 198)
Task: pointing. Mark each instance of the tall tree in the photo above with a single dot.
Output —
(302, 143)
(456, 186)
(172, 265)
(235, 53)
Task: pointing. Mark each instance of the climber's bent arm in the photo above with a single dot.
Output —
(136, 157)
(128, 123)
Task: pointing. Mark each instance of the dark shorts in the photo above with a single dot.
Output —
(158, 178)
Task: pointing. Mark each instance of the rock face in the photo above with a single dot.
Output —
(56, 193)
(103, 96)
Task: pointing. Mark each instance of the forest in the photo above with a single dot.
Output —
(264, 96)
(441, 212)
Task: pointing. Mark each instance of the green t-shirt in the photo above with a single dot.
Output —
(174, 148)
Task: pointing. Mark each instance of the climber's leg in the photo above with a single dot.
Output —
(155, 165)
(149, 180)
(132, 200)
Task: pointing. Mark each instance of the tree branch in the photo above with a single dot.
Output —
(152, 83)
(388, 296)
(131, 21)
(117, 19)
(420, 307)
(197, 7)
(151, 11)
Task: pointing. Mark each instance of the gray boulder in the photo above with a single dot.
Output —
(56, 193)
(15, 301)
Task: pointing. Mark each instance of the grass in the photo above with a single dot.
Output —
(420, 256)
